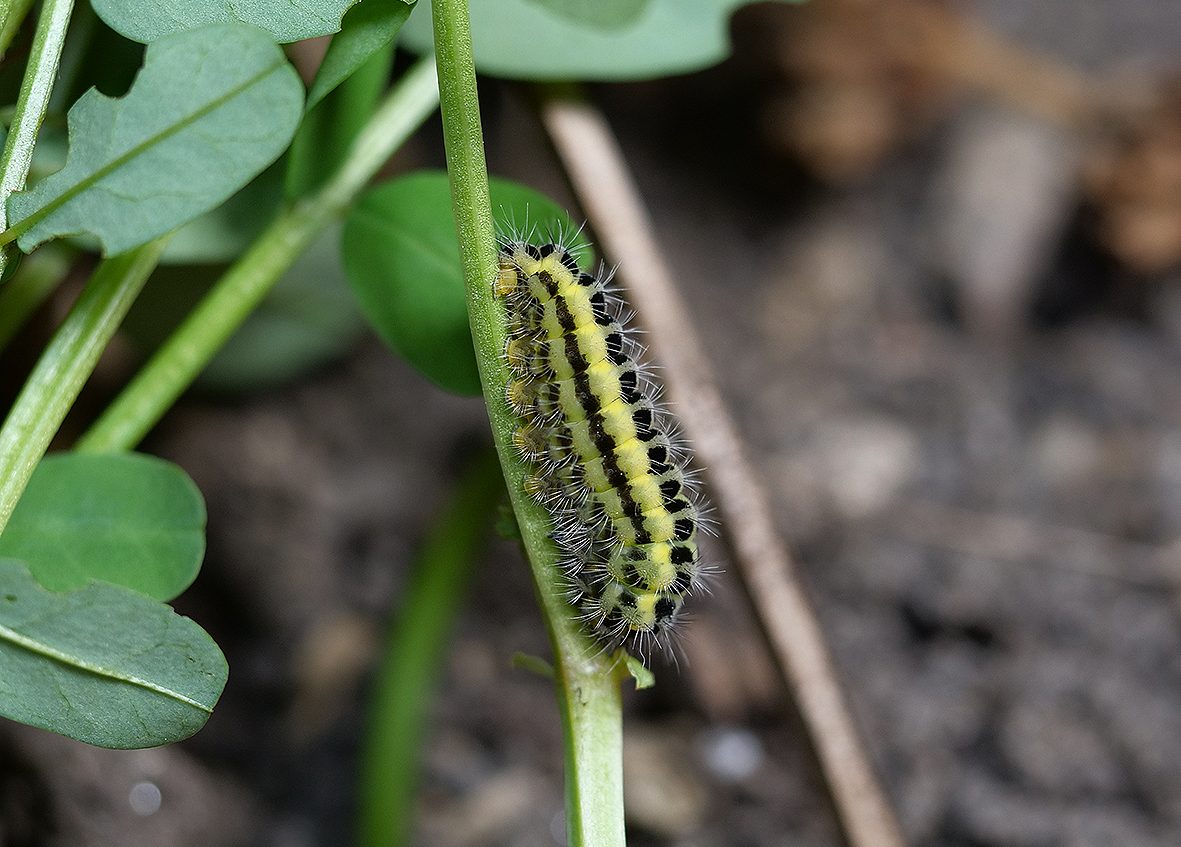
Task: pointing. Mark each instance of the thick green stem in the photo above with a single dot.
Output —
(410, 663)
(588, 681)
(32, 102)
(186, 353)
(65, 366)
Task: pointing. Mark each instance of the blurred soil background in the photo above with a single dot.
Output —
(934, 250)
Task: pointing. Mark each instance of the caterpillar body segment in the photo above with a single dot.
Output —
(606, 465)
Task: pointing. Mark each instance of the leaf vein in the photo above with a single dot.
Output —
(110, 167)
(40, 648)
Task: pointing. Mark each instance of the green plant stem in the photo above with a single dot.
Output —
(29, 287)
(65, 366)
(587, 680)
(189, 349)
(12, 14)
(331, 125)
(36, 87)
(411, 659)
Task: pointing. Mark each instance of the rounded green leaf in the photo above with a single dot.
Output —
(148, 20)
(401, 257)
(103, 665)
(556, 40)
(128, 519)
(209, 111)
(603, 13)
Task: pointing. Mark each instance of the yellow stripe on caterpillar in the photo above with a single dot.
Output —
(604, 467)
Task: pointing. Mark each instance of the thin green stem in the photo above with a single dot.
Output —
(186, 353)
(65, 366)
(12, 14)
(29, 287)
(328, 129)
(83, 25)
(405, 677)
(588, 681)
(32, 103)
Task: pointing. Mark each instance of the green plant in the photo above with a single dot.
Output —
(216, 163)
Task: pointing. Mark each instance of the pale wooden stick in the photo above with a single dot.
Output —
(611, 202)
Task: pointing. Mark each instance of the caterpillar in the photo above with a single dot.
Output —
(604, 457)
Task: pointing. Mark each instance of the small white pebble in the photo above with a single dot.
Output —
(731, 754)
(144, 799)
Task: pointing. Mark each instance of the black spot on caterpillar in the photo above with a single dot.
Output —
(623, 508)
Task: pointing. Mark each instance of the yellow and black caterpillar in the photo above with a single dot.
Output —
(605, 463)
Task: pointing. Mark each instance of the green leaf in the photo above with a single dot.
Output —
(367, 28)
(401, 257)
(103, 665)
(95, 56)
(148, 20)
(606, 14)
(553, 40)
(533, 664)
(346, 95)
(129, 519)
(643, 677)
(210, 109)
(308, 319)
(224, 233)
(348, 85)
